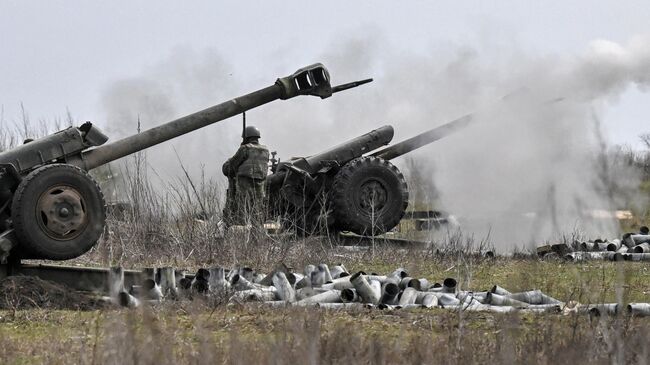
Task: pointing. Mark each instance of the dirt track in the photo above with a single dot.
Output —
(22, 292)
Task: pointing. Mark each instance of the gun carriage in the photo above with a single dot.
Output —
(51, 208)
(351, 187)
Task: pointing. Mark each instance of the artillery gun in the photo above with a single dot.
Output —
(351, 187)
(51, 208)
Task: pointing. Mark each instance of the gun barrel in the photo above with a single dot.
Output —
(311, 80)
(425, 138)
(440, 132)
(353, 148)
(339, 155)
(350, 85)
(151, 137)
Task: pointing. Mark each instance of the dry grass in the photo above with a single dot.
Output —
(178, 226)
(193, 334)
(197, 332)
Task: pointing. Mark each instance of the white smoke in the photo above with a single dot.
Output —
(186, 82)
(527, 171)
(530, 170)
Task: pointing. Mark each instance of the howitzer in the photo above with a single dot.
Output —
(351, 187)
(51, 208)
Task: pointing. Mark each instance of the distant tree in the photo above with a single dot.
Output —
(645, 138)
(644, 158)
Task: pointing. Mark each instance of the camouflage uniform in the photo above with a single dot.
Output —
(246, 172)
(230, 207)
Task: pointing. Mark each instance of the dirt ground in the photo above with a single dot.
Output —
(24, 292)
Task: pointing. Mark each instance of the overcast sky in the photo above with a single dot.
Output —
(64, 54)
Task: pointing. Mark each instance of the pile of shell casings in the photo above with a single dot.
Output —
(630, 247)
(335, 288)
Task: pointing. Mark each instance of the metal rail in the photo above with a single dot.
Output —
(351, 239)
(91, 279)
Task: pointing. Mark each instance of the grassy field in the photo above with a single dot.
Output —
(205, 332)
(165, 228)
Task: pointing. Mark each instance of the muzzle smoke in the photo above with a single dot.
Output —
(530, 169)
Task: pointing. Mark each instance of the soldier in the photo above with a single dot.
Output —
(246, 170)
(230, 207)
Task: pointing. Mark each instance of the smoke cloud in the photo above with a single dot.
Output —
(184, 83)
(528, 170)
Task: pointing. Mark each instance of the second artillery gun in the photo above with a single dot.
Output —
(351, 187)
(51, 208)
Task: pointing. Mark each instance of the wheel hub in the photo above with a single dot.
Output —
(372, 195)
(60, 212)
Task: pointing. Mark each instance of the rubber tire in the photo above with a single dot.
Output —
(33, 242)
(348, 215)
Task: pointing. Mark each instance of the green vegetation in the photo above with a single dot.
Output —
(200, 332)
(590, 282)
(640, 210)
(645, 191)
(165, 228)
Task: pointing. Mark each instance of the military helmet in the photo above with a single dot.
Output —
(251, 132)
